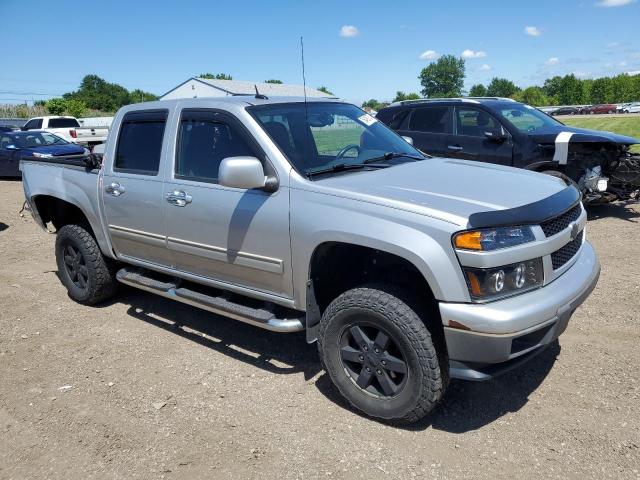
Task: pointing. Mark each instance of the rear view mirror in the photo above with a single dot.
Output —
(320, 120)
(245, 173)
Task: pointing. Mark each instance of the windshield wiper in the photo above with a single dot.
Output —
(390, 155)
(341, 167)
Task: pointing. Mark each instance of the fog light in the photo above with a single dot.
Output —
(602, 185)
(519, 274)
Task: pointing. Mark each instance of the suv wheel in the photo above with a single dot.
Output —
(381, 356)
(88, 276)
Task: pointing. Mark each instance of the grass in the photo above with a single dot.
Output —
(620, 124)
(329, 142)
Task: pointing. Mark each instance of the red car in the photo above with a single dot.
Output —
(604, 108)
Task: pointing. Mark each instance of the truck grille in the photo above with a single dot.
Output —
(556, 225)
(566, 253)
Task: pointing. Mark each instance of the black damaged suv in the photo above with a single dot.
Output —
(503, 131)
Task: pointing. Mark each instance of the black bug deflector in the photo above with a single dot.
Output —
(530, 214)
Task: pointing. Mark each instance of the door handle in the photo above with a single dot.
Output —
(454, 147)
(114, 189)
(179, 198)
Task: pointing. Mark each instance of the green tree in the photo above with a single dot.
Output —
(478, 90)
(401, 96)
(98, 94)
(443, 78)
(374, 104)
(570, 90)
(273, 81)
(552, 86)
(56, 106)
(215, 76)
(501, 87)
(600, 90)
(75, 108)
(324, 90)
(532, 96)
(138, 95)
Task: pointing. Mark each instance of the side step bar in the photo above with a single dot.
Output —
(171, 288)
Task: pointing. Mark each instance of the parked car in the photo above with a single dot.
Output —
(8, 128)
(604, 108)
(584, 110)
(633, 108)
(566, 111)
(69, 129)
(623, 108)
(506, 132)
(314, 216)
(15, 145)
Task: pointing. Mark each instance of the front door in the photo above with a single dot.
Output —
(470, 140)
(230, 235)
(429, 127)
(132, 189)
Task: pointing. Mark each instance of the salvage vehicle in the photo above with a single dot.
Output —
(505, 132)
(69, 128)
(313, 216)
(15, 145)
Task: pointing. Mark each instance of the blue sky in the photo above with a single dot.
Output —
(359, 49)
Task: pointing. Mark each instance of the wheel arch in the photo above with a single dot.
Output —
(337, 266)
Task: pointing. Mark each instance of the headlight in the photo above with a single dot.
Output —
(493, 238)
(493, 283)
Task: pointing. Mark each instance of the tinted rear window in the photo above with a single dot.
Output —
(431, 120)
(140, 142)
(63, 123)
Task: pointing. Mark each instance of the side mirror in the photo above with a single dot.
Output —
(495, 136)
(409, 140)
(246, 173)
(11, 147)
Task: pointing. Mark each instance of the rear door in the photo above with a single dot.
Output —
(470, 141)
(132, 188)
(429, 127)
(230, 235)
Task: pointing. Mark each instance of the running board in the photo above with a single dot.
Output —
(219, 304)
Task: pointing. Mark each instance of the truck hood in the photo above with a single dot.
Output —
(448, 189)
(549, 134)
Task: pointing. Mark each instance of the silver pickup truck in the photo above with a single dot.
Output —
(313, 216)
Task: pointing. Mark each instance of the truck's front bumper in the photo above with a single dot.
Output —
(484, 340)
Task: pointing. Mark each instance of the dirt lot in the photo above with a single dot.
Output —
(146, 388)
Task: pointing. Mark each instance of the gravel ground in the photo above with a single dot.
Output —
(146, 388)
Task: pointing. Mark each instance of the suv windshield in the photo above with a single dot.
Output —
(335, 135)
(38, 139)
(527, 118)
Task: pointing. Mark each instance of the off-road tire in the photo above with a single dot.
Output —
(427, 376)
(101, 282)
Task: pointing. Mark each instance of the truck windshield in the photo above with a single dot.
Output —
(38, 139)
(527, 118)
(330, 134)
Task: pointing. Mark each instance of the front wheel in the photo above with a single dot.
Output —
(380, 355)
(88, 276)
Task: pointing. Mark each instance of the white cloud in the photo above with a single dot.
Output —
(471, 54)
(552, 61)
(349, 31)
(532, 31)
(614, 3)
(613, 45)
(633, 72)
(485, 67)
(429, 55)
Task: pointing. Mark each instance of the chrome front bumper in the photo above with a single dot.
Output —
(506, 332)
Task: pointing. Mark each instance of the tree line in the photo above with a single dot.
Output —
(444, 78)
(97, 94)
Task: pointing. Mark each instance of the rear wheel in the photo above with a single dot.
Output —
(381, 356)
(88, 276)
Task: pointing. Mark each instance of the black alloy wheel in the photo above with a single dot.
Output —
(75, 265)
(373, 360)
